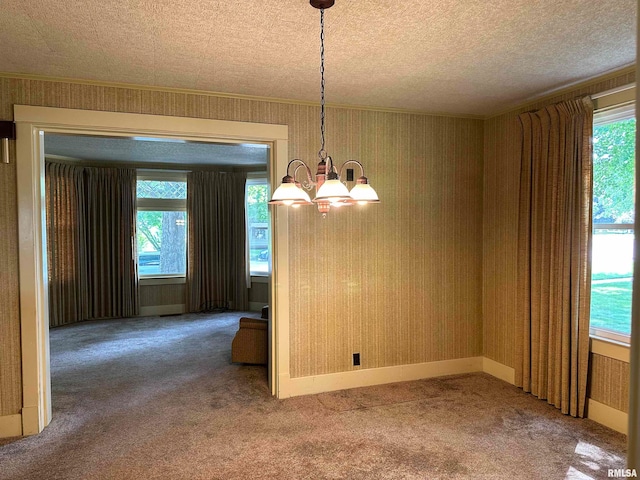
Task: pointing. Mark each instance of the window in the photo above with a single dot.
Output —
(614, 136)
(161, 224)
(258, 234)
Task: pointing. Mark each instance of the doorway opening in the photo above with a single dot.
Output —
(89, 255)
(33, 126)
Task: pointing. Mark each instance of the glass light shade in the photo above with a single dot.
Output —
(289, 194)
(363, 193)
(333, 191)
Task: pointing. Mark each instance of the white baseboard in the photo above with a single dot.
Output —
(292, 387)
(598, 412)
(31, 422)
(11, 426)
(162, 310)
(499, 370)
(608, 416)
(27, 423)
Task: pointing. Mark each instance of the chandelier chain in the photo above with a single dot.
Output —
(330, 189)
(322, 152)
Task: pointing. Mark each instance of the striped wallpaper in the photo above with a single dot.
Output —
(429, 274)
(609, 382)
(399, 282)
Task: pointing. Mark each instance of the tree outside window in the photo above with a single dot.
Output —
(161, 227)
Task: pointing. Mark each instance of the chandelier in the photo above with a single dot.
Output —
(330, 190)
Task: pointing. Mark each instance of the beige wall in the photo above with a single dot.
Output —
(259, 293)
(427, 275)
(157, 295)
(500, 235)
(399, 282)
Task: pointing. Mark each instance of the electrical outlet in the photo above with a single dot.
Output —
(356, 359)
(349, 174)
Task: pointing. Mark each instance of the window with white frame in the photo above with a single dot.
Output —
(614, 135)
(258, 232)
(161, 227)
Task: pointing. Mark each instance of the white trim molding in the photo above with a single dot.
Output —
(608, 416)
(596, 411)
(621, 96)
(610, 336)
(32, 420)
(292, 387)
(279, 285)
(11, 426)
(611, 349)
(31, 125)
(499, 370)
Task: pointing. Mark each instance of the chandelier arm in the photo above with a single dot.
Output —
(309, 183)
(331, 168)
(301, 164)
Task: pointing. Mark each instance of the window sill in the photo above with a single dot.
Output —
(610, 348)
(149, 281)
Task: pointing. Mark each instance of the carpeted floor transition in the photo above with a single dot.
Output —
(158, 398)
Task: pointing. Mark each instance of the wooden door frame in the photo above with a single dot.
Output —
(31, 125)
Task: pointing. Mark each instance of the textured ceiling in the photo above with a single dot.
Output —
(459, 57)
(154, 151)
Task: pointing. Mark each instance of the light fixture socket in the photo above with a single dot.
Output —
(324, 207)
(322, 168)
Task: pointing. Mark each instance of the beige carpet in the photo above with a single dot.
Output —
(158, 398)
